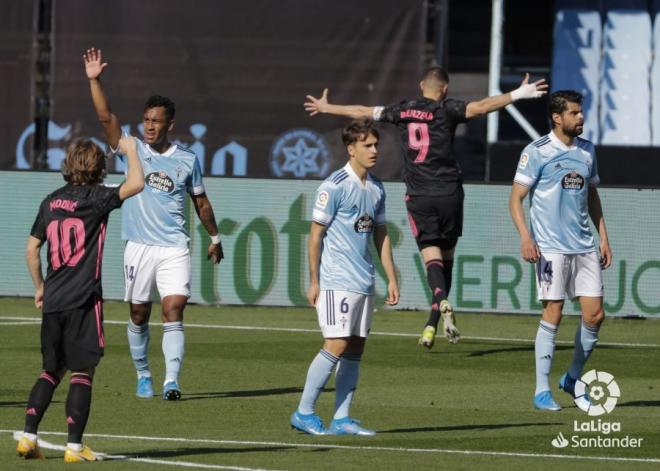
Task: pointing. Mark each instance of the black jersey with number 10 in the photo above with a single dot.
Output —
(426, 128)
(73, 220)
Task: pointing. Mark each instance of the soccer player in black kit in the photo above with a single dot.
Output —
(73, 219)
(434, 185)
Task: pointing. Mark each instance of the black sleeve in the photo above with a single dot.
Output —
(392, 113)
(107, 198)
(455, 110)
(38, 228)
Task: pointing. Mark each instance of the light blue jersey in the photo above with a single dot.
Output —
(156, 215)
(350, 211)
(558, 177)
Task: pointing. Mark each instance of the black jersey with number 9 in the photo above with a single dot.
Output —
(426, 129)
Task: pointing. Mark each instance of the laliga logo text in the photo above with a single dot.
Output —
(596, 393)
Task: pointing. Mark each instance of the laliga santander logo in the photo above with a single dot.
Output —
(596, 393)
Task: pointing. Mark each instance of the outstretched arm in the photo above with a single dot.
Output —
(529, 251)
(320, 105)
(134, 182)
(205, 213)
(94, 66)
(494, 103)
(384, 249)
(596, 214)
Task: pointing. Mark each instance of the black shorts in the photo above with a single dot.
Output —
(436, 221)
(73, 339)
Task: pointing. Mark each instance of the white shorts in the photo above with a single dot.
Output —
(560, 276)
(168, 267)
(344, 313)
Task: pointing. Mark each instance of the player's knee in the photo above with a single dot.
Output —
(336, 346)
(172, 313)
(173, 307)
(140, 313)
(87, 372)
(356, 345)
(595, 317)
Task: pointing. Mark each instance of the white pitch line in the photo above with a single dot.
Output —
(364, 448)
(316, 331)
(20, 323)
(106, 456)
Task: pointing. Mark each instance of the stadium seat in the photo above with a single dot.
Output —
(655, 78)
(625, 111)
(576, 60)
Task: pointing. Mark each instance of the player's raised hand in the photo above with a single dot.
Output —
(316, 105)
(392, 294)
(529, 90)
(126, 144)
(94, 64)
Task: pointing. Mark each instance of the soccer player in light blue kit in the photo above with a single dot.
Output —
(154, 229)
(560, 174)
(349, 211)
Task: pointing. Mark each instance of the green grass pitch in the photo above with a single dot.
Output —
(464, 406)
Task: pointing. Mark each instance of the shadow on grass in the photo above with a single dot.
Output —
(190, 451)
(252, 393)
(470, 427)
(527, 348)
(21, 404)
(639, 404)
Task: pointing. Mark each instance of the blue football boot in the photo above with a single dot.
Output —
(348, 426)
(145, 388)
(310, 423)
(544, 401)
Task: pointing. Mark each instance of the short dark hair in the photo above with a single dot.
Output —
(155, 101)
(359, 130)
(437, 73)
(84, 163)
(559, 100)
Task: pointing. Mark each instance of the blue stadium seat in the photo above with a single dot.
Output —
(655, 78)
(625, 111)
(576, 60)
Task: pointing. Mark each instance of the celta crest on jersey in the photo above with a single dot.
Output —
(572, 181)
(365, 224)
(159, 181)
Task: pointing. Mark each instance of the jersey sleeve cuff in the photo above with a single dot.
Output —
(594, 181)
(378, 113)
(321, 217)
(523, 179)
(198, 190)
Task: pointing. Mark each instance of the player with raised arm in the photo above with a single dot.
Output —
(434, 190)
(560, 174)
(349, 211)
(73, 220)
(157, 247)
